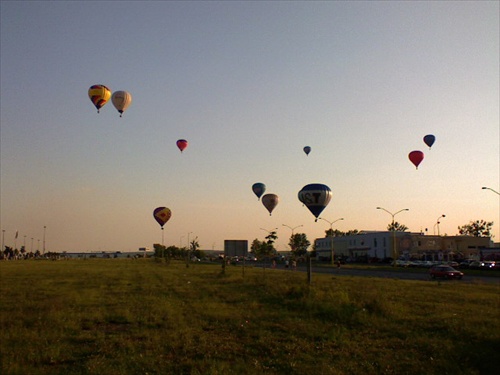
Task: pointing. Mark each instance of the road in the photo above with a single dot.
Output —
(402, 274)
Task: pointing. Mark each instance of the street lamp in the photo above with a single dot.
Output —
(269, 231)
(393, 228)
(298, 226)
(44, 228)
(187, 252)
(291, 238)
(331, 235)
(437, 223)
(487, 188)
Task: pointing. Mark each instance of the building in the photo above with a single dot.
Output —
(369, 246)
(237, 248)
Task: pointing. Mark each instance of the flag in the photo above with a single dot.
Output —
(17, 234)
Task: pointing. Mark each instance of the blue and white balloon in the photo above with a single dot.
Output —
(316, 197)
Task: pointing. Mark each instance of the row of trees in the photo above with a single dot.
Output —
(298, 242)
(477, 228)
(174, 252)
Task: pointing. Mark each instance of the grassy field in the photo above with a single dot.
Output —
(124, 316)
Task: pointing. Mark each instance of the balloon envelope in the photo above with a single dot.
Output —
(121, 100)
(307, 150)
(270, 201)
(99, 95)
(258, 188)
(429, 140)
(416, 157)
(162, 215)
(182, 144)
(316, 197)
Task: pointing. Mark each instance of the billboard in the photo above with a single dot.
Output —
(233, 248)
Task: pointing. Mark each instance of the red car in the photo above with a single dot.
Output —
(445, 272)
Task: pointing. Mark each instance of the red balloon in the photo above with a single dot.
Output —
(182, 144)
(416, 157)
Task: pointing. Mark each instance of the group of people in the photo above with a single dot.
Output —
(293, 265)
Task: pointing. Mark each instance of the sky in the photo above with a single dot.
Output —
(248, 84)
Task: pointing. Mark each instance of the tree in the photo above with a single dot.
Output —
(334, 233)
(192, 251)
(337, 233)
(264, 248)
(163, 254)
(478, 228)
(194, 246)
(397, 227)
(160, 251)
(255, 247)
(299, 244)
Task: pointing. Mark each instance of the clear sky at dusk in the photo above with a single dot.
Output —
(248, 84)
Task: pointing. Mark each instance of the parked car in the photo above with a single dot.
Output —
(445, 272)
(482, 265)
(489, 265)
(401, 263)
(466, 263)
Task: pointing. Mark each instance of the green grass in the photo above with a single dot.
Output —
(124, 316)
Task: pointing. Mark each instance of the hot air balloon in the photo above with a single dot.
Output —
(162, 215)
(121, 100)
(307, 150)
(316, 197)
(182, 144)
(99, 95)
(270, 201)
(416, 157)
(258, 188)
(429, 140)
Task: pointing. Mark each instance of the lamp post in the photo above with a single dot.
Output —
(393, 229)
(331, 236)
(298, 226)
(44, 228)
(437, 223)
(291, 238)
(487, 188)
(269, 231)
(187, 252)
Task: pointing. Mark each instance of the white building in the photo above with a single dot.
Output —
(373, 245)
